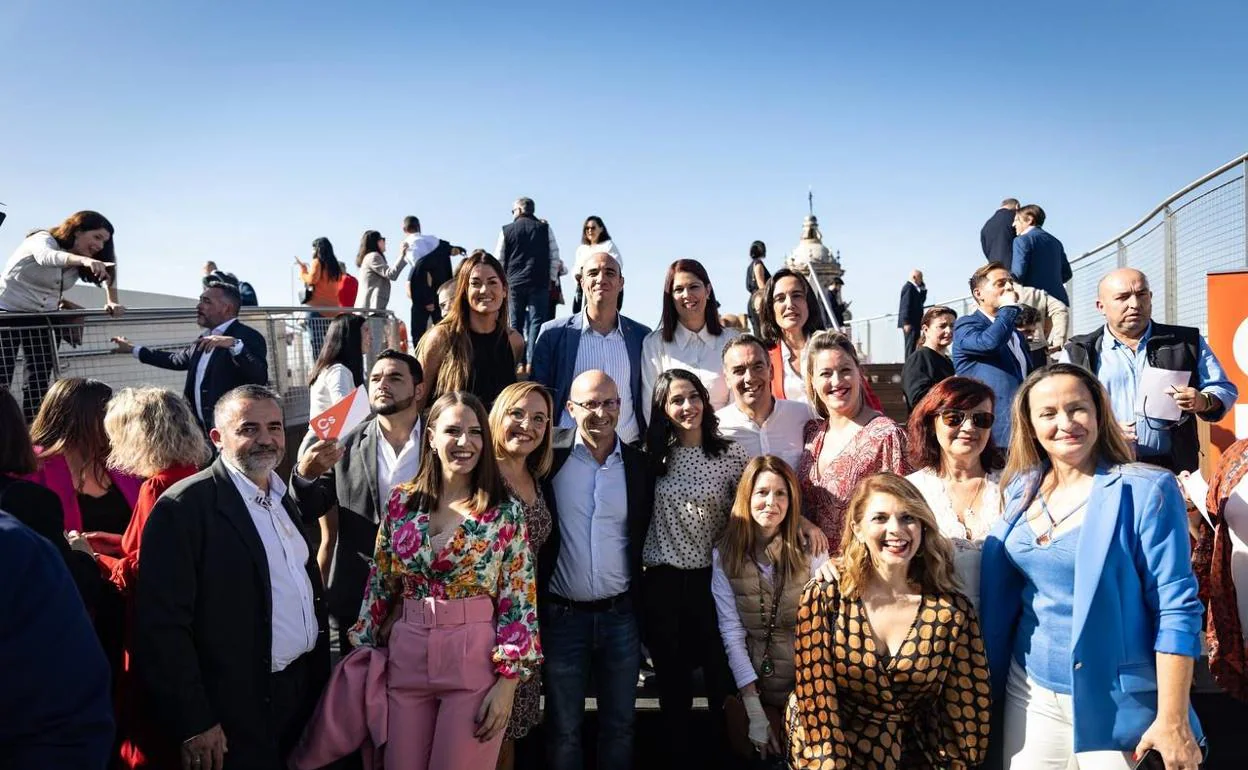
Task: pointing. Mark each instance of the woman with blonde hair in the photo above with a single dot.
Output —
(154, 435)
(849, 441)
(473, 348)
(891, 671)
(520, 424)
(758, 570)
(1091, 615)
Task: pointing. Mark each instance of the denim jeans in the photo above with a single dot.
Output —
(318, 325)
(577, 643)
(530, 308)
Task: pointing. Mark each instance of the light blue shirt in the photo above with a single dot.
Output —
(1121, 370)
(592, 502)
(1042, 642)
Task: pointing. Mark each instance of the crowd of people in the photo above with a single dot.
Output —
(1013, 577)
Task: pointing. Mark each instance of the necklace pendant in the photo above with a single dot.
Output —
(767, 668)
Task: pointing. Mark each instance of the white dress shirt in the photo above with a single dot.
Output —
(294, 618)
(609, 353)
(234, 350)
(794, 383)
(394, 468)
(1013, 344)
(779, 435)
(700, 352)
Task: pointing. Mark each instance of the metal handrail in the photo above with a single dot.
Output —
(181, 312)
(882, 316)
(1162, 206)
(813, 280)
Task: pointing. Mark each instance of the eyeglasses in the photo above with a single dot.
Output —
(609, 404)
(955, 418)
(1156, 423)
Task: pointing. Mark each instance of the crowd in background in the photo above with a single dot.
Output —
(1014, 576)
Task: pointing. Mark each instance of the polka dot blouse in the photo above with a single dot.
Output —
(691, 506)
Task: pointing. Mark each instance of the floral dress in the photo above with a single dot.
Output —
(879, 446)
(526, 709)
(488, 555)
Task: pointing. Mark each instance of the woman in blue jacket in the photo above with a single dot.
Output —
(1090, 610)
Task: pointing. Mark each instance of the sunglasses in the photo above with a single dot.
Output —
(954, 418)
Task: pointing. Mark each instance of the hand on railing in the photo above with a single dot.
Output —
(124, 347)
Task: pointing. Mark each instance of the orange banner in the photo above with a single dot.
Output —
(1228, 337)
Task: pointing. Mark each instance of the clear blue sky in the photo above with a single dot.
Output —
(241, 131)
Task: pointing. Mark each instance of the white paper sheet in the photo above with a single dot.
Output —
(1153, 395)
(1197, 490)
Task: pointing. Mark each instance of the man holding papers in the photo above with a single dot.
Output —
(1158, 376)
(347, 480)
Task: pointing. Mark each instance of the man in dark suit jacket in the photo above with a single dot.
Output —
(988, 346)
(996, 237)
(431, 267)
(608, 337)
(910, 315)
(1039, 259)
(227, 355)
(55, 692)
(357, 473)
(526, 248)
(589, 577)
(232, 641)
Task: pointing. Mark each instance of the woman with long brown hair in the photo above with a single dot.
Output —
(452, 594)
(472, 348)
(34, 280)
(1091, 610)
(520, 425)
(375, 272)
(691, 335)
(891, 671)
(758, 570)
(321, 282)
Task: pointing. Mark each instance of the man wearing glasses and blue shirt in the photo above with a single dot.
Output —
(1129, 343)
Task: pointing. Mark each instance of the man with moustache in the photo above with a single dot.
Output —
(347, 482)
(232, 643)
(600, 492)
(227, 355)
(755, 419)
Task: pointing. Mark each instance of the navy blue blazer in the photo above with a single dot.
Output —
(996, 237)
(554, 359)
(1040, 261)
(981, 350)
(1135, 595)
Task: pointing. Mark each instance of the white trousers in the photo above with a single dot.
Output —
(1039, 732)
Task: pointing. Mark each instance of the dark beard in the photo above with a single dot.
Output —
(396, 407)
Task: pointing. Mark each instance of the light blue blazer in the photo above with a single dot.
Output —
(1134, 595)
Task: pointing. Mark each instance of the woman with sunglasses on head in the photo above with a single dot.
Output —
(758, 570)
(1091, 615)
(452, 593)
(696, 475)
(594, 238)
(521, 430)
(950, 440)
(890, 666)
(473, 348)
(691, 335)
(849, 440)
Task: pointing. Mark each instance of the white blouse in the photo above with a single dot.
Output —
(1236, 513)
(692, 502)
(587, 250)
(968, 542)
(330, 386)
(794, 383)
(699, 352)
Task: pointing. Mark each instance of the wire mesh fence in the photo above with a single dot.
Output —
(36, 350)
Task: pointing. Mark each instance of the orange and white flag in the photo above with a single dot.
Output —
(339, 419)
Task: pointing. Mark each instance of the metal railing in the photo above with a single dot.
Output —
(1202, 228)
(78, 343)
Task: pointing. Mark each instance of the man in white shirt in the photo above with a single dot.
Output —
(755, 419)
(347, 483)
(229, 354)
(231, 638)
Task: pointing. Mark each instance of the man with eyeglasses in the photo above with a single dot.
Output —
(530, 257)
(1127, 345)
(600, 493)
(987, 345)
(598, 338)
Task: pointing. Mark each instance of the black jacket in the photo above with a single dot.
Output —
(911, 309)
(639, 481)
(205, 619)
(428, 273)
(526, 254)
(996, 237)
(1169, 347)
(225, 372)
(40, 509)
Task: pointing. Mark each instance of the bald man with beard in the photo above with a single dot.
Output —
(1130, 342)
(600, 492)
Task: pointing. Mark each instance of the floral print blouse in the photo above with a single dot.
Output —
(488, 555)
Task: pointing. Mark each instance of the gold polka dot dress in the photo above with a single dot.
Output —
(855, 707)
